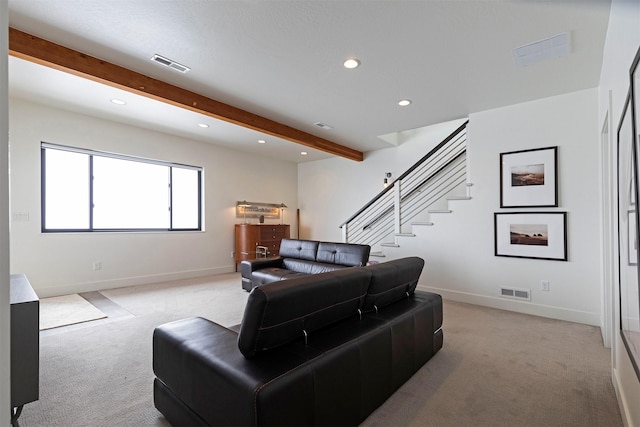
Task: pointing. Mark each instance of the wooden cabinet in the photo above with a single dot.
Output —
(249, 237)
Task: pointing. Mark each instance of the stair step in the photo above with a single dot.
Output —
(421, 223)
(377, 254)
(390, 245)
(459, 198)
(440, 211)
(405, 235)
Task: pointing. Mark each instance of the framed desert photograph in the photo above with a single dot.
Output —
(528, 178)
(257, 209)
(541, 235)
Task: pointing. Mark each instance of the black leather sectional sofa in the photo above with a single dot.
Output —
(301, 257)
(323, 349)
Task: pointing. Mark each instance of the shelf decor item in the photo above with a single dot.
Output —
(241, 206)
(529, 178)
(541, 235)
(282, 208)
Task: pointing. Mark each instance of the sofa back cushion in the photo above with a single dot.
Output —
(300, 249)
(280, 312)
(351, 255)
(391, 281)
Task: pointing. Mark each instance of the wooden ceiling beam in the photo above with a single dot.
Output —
(31, 48)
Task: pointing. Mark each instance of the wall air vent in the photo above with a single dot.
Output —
(522, 294)
(169, 63)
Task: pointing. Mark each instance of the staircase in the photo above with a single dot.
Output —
(414, 199)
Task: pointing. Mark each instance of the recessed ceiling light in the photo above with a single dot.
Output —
(118, 101)
(404, 102)
(262, 141)
(203, 125)
(304, 153)
(352, 63)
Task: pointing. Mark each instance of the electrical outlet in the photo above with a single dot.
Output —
(233, 254)
(544, 285)
(97, 265)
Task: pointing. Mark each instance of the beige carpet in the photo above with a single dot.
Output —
(66, 310)
(497, 368)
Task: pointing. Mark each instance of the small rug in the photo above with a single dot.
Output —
(66, 310)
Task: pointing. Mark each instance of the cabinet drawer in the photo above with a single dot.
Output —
(271, 233)
(273, 246)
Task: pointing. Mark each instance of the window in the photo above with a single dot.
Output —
(85, 190)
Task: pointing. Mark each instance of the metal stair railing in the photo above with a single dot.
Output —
(427, 181)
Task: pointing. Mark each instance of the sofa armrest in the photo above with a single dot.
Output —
(248, 266)
(199, 362)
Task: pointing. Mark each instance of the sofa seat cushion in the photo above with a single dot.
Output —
(309, 267)
(273, 274)
(280, 312)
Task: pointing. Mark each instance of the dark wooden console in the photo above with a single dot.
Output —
(25, 344)
(250, 238)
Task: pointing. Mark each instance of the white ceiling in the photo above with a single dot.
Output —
(282, 59)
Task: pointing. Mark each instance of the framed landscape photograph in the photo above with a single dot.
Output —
(541, 235)
(257, 209)
(529, 178)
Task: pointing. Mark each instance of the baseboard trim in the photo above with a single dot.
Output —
(123, 282)
(527, 307)
(622, 399)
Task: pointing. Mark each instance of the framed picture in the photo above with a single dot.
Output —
(529, 178)
(257, 209)
(541, 235)
(628, 146)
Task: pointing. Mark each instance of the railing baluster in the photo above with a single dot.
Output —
(397, 207)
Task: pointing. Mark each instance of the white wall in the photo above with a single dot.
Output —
(61, 263)
(623, 41)
(458, 250)
(4, 225)
(569, 122)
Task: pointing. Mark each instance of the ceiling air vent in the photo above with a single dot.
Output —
(169, 63)
(523, 294)
(553, 47)
(323, 125)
